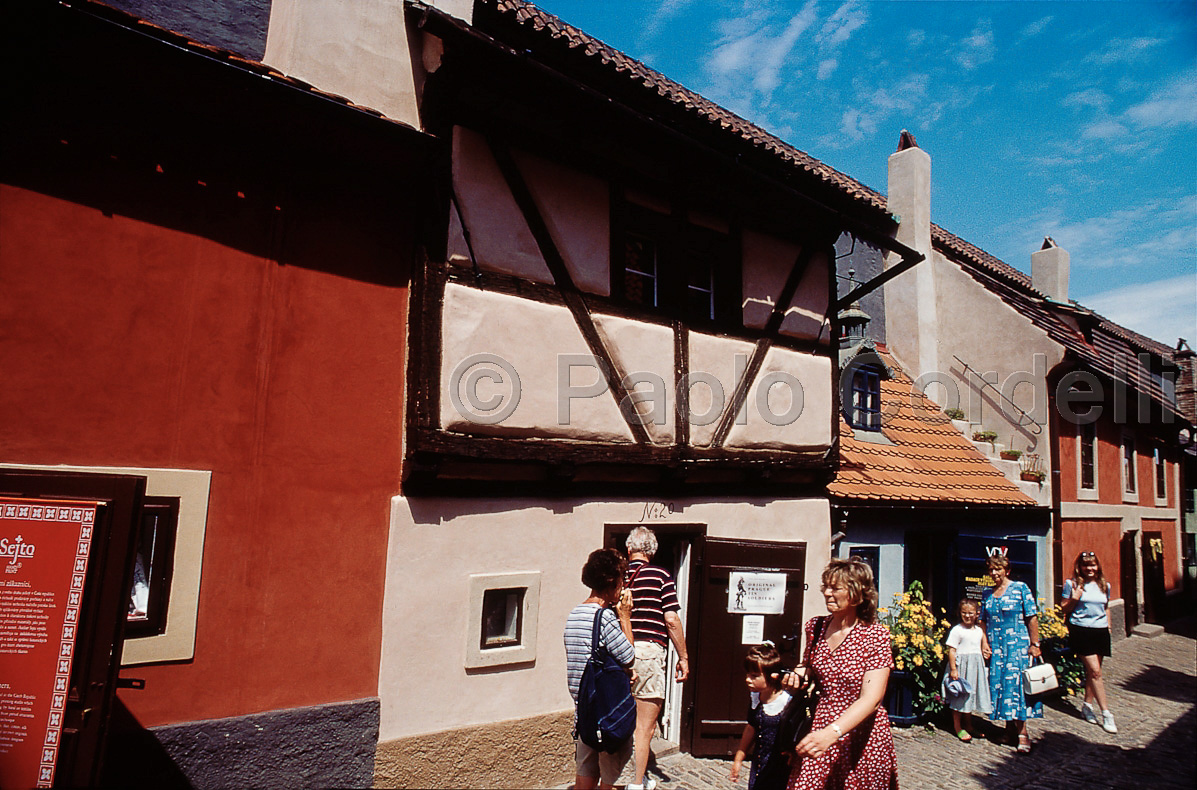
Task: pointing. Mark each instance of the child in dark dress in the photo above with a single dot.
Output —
(770, 769)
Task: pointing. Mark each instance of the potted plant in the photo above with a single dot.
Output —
(1032, 475)
(917, 636)
(1010, 455)
(954, 414)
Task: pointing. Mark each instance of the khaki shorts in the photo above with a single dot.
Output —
(607, 767)
(650, 671)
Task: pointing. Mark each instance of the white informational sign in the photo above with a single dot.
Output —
(756, 593)
(753, 632)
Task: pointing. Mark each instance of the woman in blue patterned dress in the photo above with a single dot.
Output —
(1012, 627)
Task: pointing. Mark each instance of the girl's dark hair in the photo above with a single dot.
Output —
(765, 659)
(604, 569)
(966, 602)
(855, 575)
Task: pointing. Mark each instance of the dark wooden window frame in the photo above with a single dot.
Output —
(1087, 432)
(864, 413)
(164, 513)
(677, 245)
(498, 597)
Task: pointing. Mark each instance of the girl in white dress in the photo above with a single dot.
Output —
(967, 648)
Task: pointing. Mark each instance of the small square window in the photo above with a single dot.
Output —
(502, 617)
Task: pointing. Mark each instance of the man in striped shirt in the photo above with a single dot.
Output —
(655, 623)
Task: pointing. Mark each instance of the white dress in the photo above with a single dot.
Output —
(970, 665)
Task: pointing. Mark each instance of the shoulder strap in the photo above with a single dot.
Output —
(822, 629)
(594, 635)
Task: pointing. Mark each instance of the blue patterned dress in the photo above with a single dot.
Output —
(1005, 626)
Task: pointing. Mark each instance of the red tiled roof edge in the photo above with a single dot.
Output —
(531, 18)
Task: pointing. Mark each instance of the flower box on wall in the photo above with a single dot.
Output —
(1011, 455)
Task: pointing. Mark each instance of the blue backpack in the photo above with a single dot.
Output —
(606, 709)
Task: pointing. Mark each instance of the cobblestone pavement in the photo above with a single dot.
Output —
(1151, 684)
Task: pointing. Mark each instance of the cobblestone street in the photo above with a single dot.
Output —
(1152, 686)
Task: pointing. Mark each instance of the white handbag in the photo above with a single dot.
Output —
(1039, 679)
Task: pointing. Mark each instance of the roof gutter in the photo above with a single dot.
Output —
(439, 23)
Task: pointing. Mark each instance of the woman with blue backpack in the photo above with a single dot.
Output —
(598, 644)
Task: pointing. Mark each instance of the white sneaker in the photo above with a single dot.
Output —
(1107, 722)
(1088, 714)
(649, 784)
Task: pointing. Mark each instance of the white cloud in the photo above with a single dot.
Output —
(1164, 310)
(776, 51)
(1123, 50)
(856, 125)
(1036, 27)
(977, 49)
(915, 38)
(1172, 105)
(827, 68)
(840, 26)
(1091, 97)
(1105, 129)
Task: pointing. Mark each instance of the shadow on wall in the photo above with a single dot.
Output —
(133, 757)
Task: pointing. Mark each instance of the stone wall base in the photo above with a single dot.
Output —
(319, 746)
(517, 753)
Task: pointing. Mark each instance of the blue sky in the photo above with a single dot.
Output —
(1075, 120)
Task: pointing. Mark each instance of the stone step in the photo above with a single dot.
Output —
(1147, 630)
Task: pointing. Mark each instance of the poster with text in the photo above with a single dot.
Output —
(756, 593)
(44, 548)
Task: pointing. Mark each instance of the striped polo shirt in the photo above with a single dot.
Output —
(653, 594)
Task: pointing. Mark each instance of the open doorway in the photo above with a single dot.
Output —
(678, 547)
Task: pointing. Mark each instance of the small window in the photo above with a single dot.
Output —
(864, 409)
(502, 617)
(667, 263)
(149, 594)
(1088, 454)
(1128, 466)
(1161, 475)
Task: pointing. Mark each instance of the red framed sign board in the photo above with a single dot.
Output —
(44, 550)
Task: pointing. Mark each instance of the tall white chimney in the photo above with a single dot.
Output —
(911, 323)
(1049, 270)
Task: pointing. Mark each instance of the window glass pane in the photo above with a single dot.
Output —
(640, 271)
(1161, 483)
(501, 617)
(1088, 448)
(1128, 465)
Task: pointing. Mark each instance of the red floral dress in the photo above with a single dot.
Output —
(864, 758)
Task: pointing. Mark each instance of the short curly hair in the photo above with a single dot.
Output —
(857, 577)
(604, 569)
(642, 539)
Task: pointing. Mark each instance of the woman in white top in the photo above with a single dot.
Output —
(1086, 600)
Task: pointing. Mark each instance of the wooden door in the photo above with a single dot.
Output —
(1129, 579)
(105, 602)
(720, 698)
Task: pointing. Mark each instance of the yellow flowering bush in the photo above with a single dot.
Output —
(917, 635)
(1053, 641)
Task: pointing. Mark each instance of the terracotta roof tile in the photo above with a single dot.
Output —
(501, 18)
(929, 461)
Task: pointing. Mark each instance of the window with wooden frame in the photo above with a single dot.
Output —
(667, 263)
(863, 410)
(1129, 488)
(1161, 475)
(149, 595)
(1087, 455)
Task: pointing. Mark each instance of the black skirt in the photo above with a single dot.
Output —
(1089, 641)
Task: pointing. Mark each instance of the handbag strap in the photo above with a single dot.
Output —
(810, 647)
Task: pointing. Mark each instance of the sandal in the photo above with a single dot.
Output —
(1024, 744)
(965, 736)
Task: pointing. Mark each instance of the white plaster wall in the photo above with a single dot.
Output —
(577, 209)
(528, 337)
(714, 356)
(988, 334)
(436, 544)
(766, 263)
(642, 348)
(799, 414)
(498, 232)
(358, 50)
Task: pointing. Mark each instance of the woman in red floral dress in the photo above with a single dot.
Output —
(850, 746)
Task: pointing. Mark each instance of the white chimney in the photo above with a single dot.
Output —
(1049, 271)
(911, 324)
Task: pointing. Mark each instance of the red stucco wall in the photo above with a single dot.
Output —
(141, 343)
(1097, 535)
